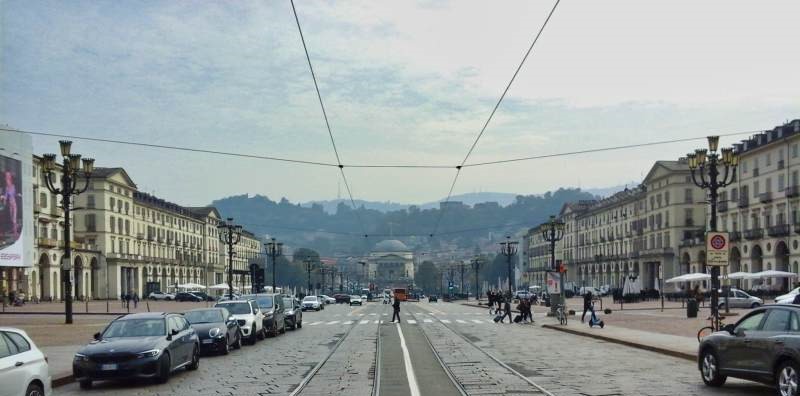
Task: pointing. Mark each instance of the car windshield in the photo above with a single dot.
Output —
(204, 316)
(237, 308)
(310, 298)
(135, 328)
(355, 296)
(288, 303)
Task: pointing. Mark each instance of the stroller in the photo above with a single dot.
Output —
(593, 320)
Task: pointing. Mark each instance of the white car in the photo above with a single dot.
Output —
(788, 297)
(356, 300)
(328, 300)
(23, 367)
(364, 297)
(157, 295)
(249, 316)
(311, 302)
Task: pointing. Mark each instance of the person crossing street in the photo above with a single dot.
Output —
(396, 308)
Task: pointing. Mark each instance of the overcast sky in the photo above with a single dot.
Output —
(403, 83)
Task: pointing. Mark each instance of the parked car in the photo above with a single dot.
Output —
(249, 317)
(342, 298)
(327, 300)
(157, 295)
(227, 297)
(762, 346)
(311, 302)
(433, 298)
(356, 299)
(203, 295)
(522, 294)
(739, 299)
(788, 297)
(216, 328)
(271, 305)
(292, 314)
(140, 345)
(187, 296)
(364, 297)
(23, 367)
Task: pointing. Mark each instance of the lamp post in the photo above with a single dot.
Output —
(363, 272)
(71, 173)
(230, 234)
(704, 166)
(308, 263)
(274, 249)
(476, 264)
(552, 232)
(509, 249)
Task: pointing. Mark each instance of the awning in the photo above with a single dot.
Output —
(774, 274)
(694, 277)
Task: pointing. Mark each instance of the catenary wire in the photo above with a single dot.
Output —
(325, 116)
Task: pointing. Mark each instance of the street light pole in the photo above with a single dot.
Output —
(552, 232)
(476, 265)
(71, 173)
(708, 162)
(509, 249)
(230, 234)
(274, 249)
(308, 263)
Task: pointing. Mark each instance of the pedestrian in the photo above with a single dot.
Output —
(490, 296)
(507, 310)
(135, 299)
(396, 308)
(587, 303)
(122, 300)
(128, 299)
(796, 300)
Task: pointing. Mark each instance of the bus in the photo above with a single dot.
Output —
(400, 294)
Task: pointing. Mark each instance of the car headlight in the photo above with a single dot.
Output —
(215, 332)
(268, 315)
(289, 313)
(79, 357)
(150, 353)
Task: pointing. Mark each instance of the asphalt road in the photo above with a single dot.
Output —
(532, 360)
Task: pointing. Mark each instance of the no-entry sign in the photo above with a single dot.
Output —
(717, 248)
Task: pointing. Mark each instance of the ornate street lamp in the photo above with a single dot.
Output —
(509, 249)
(71, 173)
(274, 249)
(552, 232)
(230, 234)
(476, 265)
(309, 264)
(706, 165)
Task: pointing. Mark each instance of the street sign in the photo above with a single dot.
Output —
(717, 249)
(553, 283)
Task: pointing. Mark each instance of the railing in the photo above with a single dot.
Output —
(778, 230)
(47, 242)
(744, 202)
(735, 236)
(755, 233)
(792, 191)
(755, 172)
(722, 206)
(781, 164)
(765, 197)
(140, 235)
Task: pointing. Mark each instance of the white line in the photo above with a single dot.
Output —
(376, 322)
(457, 320)
(313, 324)
(428, 320)
(412, 379)
(444, 321)
(348, 322)
(373, 313)
(411, 321)
(476, 321)
(385, 314)
(364, 322)
(334, 322)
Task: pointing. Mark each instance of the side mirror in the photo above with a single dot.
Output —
(175, 331)
(729, 328)
(97, 336)
(739, 332)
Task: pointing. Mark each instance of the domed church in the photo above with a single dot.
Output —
(391, 260)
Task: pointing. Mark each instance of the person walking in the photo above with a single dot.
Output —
(587, 304)
(396, 308)
(507, 311)
(135, 299)
(490, 296)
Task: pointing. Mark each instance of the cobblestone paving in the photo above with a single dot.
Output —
(272, 366)
(350, 369)
(566, 364)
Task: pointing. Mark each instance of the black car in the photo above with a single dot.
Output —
(204, 296)
(140, 345)
(186, 296)
(342, 298)
(433, 298)
(292, 314)
(271, 305)
(217, 330)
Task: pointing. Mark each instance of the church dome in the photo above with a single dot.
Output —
(391, 245)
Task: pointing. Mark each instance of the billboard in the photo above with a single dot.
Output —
(16, 220)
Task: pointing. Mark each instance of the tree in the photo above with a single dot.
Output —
(427, 277)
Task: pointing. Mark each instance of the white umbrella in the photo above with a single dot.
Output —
(742, 275)
(221, 286)
(191, 286)
(774, 274)
(694, 277)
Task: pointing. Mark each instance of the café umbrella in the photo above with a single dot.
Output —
(774, 274)
(693, 277)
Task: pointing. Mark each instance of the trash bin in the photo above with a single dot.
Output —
(691, 308)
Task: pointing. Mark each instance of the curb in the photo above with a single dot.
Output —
(64, 379)
(632, 344)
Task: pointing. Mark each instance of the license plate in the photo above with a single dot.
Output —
(107, 367)
(208, 341)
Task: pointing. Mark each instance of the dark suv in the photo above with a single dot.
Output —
(763, 346)
(140, 345)
(186, 296)
(271, 304)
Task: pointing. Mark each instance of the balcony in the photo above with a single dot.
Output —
(755, 233)
(689, 222)
(755, 172)
(722, 206)
(667, 251)
(602, 239)
(744, 202)
(779, 230)
(47, 242)
(140, 235)
(735, 236)
(151, 238)
(781, 164)
(792, 191)
(692, 242)
(765, 197)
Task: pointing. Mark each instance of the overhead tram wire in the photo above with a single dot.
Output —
(327, 123)
(491, 115)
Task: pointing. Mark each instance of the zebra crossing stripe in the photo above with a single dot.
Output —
(313, 323)
(444, 321)
(376, 322)
(348, 322)
(428, 320)
(364, 322)
(411, 321)
(334, 322)
(461, 321)
(476, 321)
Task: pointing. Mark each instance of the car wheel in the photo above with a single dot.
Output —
(787, 377)
(195, 364)
(294, 324)
(253, 335)
(283, 328)
(85, 384)
(34, 390)
(709, 369)
(755, 305)
(227, 348)
(238, 343)
(300, 324)
(165, 366)
(168, 299)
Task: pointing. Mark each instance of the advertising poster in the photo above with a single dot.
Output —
(12, 249)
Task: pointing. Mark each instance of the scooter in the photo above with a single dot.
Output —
(593, 320)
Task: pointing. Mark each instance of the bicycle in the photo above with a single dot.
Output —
(561, 314)
(708, 330)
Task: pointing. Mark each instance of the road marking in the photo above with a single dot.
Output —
(348, 322)
(444, 321)
(313, 323)
(385, 314)
(412, 379)
(376, 322)
(334, 322)
(411, 321)
(364, 322)
(476, 321)
(428, 320)
(460, 321)
(373, 313)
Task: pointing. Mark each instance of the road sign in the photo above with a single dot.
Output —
(717, 249)
(553, 283)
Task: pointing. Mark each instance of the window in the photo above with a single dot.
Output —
(90, 221)
(6, 347)
(19, 341)
(756, 188)
(777, 320)
(794, 323)
(795, 178)
(666, 197)
(90, 201)
(794, 150)
(111, 203)
(688, 196)
(119, 225)
(112, 223)
(768, 185)
(43, 200)
(744, 166)
(781, 183)
(127, 227)
(769, 159)
(751, 322)
(734, 194)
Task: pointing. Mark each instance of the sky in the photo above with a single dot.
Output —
(402, 82)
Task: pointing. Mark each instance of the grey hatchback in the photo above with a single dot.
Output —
(763, 346)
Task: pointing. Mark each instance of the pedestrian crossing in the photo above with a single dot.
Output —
(421, 317)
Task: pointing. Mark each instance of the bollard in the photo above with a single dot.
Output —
(148, 306)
